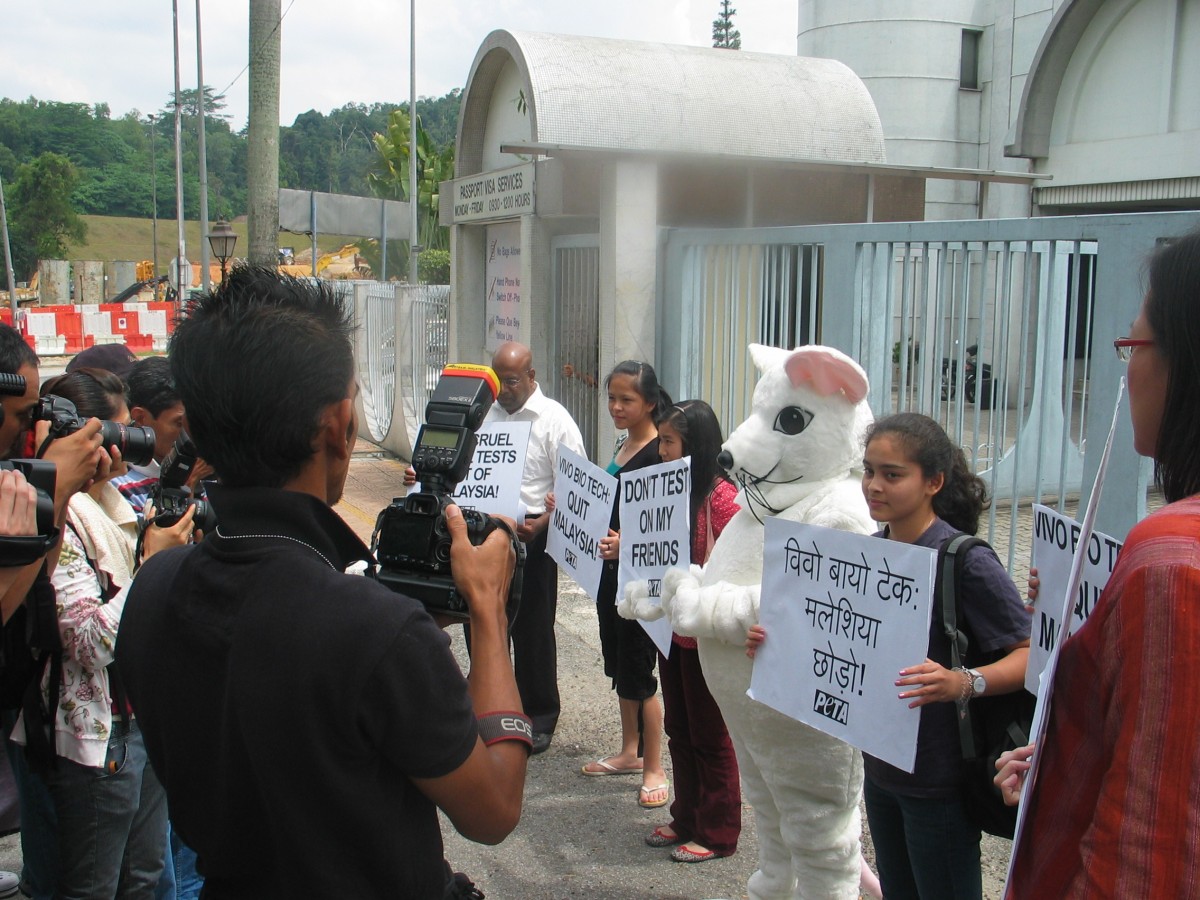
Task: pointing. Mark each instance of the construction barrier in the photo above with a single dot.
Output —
(66, 330)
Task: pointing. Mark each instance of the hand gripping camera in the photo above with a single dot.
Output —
(21, 550)
(136, 442)
(171, 496)
(411, 541)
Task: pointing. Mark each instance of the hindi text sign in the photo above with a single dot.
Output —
(844, 613)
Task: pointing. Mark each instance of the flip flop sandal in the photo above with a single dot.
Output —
(657, 838)
(607, 768)
(684, 855)
(646, 790)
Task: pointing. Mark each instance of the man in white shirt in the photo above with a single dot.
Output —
(535, 652)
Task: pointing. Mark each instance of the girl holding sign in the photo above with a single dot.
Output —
(707, 812)
(1113, 809)
(918, 483)
(635, 398)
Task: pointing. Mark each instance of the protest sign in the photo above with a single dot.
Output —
(583, 495)
(493, 483)
(1054, 540)
(655, 532)
(844, 613)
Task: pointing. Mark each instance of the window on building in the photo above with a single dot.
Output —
(968, 71)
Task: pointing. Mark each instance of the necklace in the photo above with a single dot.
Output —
(282, 537)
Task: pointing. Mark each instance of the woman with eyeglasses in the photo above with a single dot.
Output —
(1115, 810)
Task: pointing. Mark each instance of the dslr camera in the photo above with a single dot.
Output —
(21, 550)
(171, 496)
(136, 442)
(411, 541)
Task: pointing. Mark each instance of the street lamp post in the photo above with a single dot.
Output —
(222, 240)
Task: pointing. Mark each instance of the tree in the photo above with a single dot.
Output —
(723, 33)
(43, 218)
(389, 179)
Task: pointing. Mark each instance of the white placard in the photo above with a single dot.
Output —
(655, 532)
(493, 483)
(502, 303)
(844, 613)
(1054, 539)
(499, 194)
(583, 500)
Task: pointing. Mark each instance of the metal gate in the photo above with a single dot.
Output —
(576, 307)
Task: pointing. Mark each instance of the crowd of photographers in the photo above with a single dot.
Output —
(283, 704)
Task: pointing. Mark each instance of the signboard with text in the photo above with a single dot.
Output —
(583, 500)
(844, 613)
(655, 533)
(500, 194)
(502, 305)
(1054, 540)
(493, 483)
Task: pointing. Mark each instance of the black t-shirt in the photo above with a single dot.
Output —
(995, 618)
(287, 706)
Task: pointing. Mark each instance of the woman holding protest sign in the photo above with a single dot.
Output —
(635, 398)
(918, 483)
(1113, 812)
(706, 815)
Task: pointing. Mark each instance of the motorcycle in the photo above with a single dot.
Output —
(977, 379)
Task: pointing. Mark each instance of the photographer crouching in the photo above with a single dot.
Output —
(306, 723)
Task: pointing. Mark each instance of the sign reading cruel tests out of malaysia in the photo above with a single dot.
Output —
(583, 500)
(493, 483)
(844, 613)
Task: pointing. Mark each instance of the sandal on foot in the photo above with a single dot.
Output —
(684, 855)
(604, 767)
(645, 791)
(659, 838)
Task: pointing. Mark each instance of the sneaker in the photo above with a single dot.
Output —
(10, 884)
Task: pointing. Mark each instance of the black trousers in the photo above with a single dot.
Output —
(535, 650)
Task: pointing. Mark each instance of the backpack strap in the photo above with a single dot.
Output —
(952, 556)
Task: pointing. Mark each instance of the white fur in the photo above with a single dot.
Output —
(804, 786)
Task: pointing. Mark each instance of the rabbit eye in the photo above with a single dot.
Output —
(793, 419)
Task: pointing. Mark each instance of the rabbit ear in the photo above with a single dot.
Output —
(765, 357)
(827, 371)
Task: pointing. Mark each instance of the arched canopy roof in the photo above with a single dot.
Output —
(602, 94)
(1035, 116)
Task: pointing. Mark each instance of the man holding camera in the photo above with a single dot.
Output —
(306, 723)
(76, 456)
(535, 652)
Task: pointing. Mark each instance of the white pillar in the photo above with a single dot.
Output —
(628, 270)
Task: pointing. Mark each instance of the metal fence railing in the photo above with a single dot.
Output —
(1001, 330)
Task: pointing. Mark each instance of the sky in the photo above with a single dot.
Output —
(119, 52)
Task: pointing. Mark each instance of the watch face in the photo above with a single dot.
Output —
(979, 684)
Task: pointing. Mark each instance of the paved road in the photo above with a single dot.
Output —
(579, 837)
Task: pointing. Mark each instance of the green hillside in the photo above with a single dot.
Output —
(121, 237)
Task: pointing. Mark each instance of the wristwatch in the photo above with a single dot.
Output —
(978, 682)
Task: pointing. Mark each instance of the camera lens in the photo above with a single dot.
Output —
(136, 442)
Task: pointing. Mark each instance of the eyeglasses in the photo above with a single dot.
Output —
(1124, 347)
(511, 382)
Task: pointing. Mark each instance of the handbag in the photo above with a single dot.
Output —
(987, 726)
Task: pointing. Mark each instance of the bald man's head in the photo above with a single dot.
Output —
(513, 364)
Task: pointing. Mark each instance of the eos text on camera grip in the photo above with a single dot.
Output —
(411, 540)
